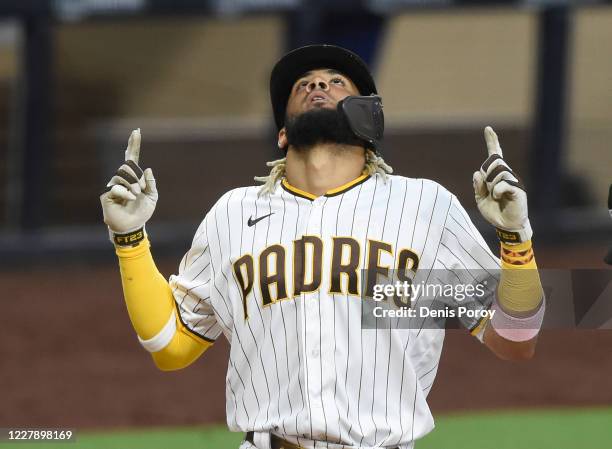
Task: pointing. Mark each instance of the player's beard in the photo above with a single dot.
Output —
(320, 125)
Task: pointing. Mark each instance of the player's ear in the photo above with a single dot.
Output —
(282, 138)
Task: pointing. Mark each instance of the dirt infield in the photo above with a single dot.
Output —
(70, 358)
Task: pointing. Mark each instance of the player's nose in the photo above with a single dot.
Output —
(317, 83)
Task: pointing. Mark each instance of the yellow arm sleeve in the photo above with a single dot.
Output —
(150, 304)
(519, 291)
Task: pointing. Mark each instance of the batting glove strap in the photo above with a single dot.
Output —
(163, 337)
(127, 239)
(514, 237)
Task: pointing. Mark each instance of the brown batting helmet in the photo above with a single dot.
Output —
(299, 61)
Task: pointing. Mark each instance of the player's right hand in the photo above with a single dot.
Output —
(131, 195)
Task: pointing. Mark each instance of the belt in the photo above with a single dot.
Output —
(275, 442)
(278, 442)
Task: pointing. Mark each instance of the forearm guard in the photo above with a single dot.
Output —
(152, 310)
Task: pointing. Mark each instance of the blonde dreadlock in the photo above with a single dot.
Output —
(276, 173)
(374, 164)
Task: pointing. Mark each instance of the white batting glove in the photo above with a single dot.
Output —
(130, 197)
(501, 196)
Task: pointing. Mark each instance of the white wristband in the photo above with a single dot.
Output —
(517, 329)
(163, 337)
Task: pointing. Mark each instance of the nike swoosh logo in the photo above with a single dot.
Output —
(252, 222)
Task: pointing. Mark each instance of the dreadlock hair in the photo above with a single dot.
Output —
(374, 164)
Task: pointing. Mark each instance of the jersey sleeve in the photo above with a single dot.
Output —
(464, 259)
(191, 289)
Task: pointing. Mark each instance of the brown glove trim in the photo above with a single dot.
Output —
(125, 175)
(497, 170)
(518, 183)
(134, 166)
(486, 164)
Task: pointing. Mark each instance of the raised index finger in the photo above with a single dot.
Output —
(132, 153)
(492, 142)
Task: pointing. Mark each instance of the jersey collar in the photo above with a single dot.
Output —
(333, 192)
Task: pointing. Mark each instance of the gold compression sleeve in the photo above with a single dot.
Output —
(520, 291)
(150, 303)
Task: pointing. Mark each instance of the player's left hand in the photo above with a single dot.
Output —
(500, 194)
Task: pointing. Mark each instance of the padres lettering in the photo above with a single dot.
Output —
(307, 256)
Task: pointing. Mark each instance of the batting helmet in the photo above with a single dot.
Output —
(299, 61)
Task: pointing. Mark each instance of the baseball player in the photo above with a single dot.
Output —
(278, 269)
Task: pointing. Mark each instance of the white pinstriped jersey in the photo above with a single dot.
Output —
(279, 288)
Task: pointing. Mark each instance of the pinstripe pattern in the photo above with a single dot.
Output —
(302, 367)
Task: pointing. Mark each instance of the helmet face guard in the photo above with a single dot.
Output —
(365, 118)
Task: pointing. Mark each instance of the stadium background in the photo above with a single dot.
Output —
(77, 76)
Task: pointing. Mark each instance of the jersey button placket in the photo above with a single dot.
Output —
(312, 343)
(314, 224)
(313, 331)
